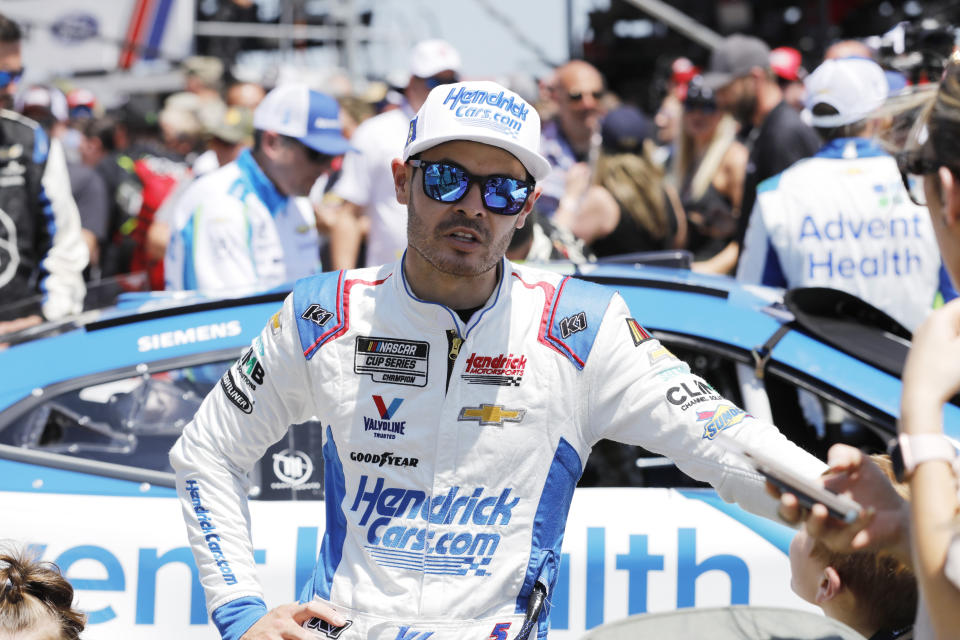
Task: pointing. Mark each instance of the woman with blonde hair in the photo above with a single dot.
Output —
(708, 171)
(629, 207)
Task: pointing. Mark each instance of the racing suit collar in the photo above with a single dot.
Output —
(262, 185)
(849, 148)
(432, 314)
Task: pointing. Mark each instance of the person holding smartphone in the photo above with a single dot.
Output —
(925, 532)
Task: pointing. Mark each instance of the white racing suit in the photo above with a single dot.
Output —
(449, 465)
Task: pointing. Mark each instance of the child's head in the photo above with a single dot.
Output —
(863, 589)
(36, 601)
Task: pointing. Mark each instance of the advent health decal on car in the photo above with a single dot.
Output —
(626, 551)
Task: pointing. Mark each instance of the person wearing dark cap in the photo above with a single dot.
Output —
(249, 224)
(629, 207)
(745, 86)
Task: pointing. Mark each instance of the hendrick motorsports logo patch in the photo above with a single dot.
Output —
(490, 414)
(502, 370)
(392, 360)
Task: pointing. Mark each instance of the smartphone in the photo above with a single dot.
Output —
(808, 491)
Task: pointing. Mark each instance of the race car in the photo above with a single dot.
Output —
(88, 414)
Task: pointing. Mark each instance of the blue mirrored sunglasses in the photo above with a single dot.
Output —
(6, 77)
(447, 182)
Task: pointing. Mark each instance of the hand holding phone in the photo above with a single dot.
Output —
(808, 491)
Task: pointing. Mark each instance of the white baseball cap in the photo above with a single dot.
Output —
(479, 111)
(311, 117)
(430, 57)
(855, 87)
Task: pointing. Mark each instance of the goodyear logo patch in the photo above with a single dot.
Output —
(392, 360)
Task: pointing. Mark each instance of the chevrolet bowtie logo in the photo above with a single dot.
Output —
(487, 414)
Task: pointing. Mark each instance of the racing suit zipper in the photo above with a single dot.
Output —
(453, 341)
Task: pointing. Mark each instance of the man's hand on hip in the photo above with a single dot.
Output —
(284, 622)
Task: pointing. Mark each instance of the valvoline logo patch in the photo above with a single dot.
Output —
(387, 412)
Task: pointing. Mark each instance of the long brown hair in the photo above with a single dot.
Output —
(34, 594)
(636, 182)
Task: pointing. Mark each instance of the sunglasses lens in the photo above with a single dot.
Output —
(444, 182)
(505, 195)
(6, 77)
(914, 185)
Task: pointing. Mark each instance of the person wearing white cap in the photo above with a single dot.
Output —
(249, 224)
(461, 395)
(365, 185)
(842, 219)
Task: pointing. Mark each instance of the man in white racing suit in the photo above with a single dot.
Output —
(460, 395)
(843, 219)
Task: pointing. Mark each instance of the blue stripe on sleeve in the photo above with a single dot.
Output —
(237, 616)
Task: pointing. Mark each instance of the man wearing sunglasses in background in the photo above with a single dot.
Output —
(461, 395)
(569, 138)
(369, 211)
(842, 219)
(249, 223)
(42, 251)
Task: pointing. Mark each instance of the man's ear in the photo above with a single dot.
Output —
(830, 586)
(528, 207)
(950, 191)
(270, 143)
(401, 180)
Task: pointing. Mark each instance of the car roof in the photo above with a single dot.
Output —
(152, 329)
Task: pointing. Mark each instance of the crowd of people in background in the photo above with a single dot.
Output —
(707, 174)
(756, 168)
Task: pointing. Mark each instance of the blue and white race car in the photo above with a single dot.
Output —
(88, 414)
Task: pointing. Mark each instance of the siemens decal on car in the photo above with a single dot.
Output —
(178, 337)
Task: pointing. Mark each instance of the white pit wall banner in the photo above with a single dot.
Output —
(67, 36)
(625, 551)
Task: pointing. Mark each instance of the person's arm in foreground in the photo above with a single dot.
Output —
(251, 407)
(931, 377)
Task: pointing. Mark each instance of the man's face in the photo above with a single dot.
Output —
(462, 238)
(806, 570)
(739, 99)
(297, 167)
(578, 92)
(11, 62)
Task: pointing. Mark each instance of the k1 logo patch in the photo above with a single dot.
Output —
(327, 628)
(573, 324)
(317, 315)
